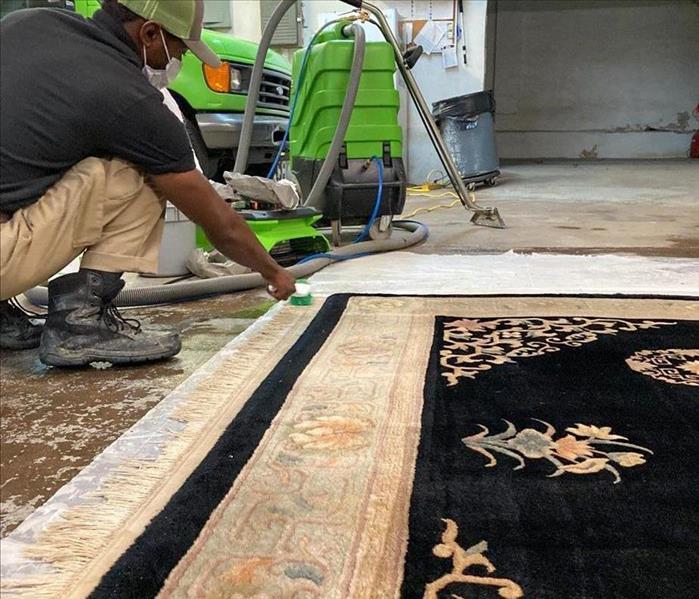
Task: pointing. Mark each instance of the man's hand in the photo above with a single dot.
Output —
(281, 284)
(225, 228)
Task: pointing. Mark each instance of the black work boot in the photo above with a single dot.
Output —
(84, 327)
(16, 330)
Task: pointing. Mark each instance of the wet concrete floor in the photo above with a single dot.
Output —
(54, 422)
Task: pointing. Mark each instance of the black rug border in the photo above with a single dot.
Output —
(142, 569)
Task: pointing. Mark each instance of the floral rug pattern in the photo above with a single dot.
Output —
(463, 560)
(676, 366)
(472, 346)
(581, 452)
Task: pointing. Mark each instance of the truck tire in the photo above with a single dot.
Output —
(208, 163)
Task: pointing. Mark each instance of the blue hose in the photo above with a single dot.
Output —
(334, 257)
(377, 203)
(365, 232)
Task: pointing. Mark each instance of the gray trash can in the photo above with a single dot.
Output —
(467, 126)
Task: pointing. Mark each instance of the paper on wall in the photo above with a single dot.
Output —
(431, 36)
(436, 10)
(407, 33)
(450, 59)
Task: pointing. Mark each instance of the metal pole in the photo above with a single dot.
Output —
(489, 217)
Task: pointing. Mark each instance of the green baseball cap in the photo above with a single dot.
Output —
(181, 18)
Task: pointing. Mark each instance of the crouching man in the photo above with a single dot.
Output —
(88, 152)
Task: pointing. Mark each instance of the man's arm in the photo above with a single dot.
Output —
(191, 193)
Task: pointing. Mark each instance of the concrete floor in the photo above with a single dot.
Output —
(646, 208)
(54, 422)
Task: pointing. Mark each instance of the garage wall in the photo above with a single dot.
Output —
(591, 79)
(246, 19)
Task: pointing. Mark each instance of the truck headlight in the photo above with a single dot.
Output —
(236, 80)
(228, 78)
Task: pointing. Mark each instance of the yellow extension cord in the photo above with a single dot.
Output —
(471, 195)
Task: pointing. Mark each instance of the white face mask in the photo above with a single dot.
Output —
(161, 78)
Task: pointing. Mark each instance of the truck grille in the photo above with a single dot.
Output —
(275, 90)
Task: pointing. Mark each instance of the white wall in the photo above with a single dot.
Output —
(584, 78)
(246, 21)
(438, 84)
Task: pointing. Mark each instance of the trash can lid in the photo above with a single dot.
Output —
(464, 106)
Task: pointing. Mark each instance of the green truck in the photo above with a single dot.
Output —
(213, 100)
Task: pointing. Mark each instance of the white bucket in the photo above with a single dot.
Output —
(179, 239)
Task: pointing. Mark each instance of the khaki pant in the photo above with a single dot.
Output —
(103, 208)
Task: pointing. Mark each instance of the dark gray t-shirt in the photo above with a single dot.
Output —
(71, 88)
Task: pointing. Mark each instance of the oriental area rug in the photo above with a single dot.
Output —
(416, 447)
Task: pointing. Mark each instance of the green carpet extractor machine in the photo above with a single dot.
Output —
(372, 145)
(367, 184)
